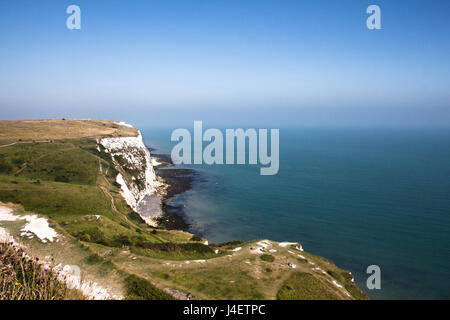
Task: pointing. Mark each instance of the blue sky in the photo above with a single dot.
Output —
(248, 61)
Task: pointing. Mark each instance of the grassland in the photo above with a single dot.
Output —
(54, 169)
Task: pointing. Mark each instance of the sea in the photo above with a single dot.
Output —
(356, 196)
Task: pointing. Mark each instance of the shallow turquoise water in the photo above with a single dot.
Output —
(356, 196)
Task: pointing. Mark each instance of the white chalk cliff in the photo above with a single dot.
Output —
(133, 162)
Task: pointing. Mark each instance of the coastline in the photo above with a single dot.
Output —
(175, 181)
(110, 233)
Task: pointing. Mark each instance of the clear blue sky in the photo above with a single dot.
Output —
(247, 61)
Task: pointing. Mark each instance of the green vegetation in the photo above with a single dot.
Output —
(105, 231)
(175, 251)
(23, 278)
(196, 238)
(94, 259)
(267, 258)
(140, 289)
(305, 286)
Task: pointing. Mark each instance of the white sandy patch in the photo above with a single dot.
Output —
(155, 162)
(206, 243)
(272, 250)
(40, 228)
(92, 290)
(320, 270)
(264, 243)
(301, 256)
(285, 244)
(5, 236)
(125, 124)
(35, 225)
(7, 215)
(236, 249)
(200, 261)
(337, 284)
(257, 250)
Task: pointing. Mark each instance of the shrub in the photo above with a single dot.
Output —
(62, 179)
(135, 217)
(18, 161)
(4, 168)
(121, 240)
(94, 259)
(230, 243)
(196, 238)
(267, 257)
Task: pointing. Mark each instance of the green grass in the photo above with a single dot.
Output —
(304, 286)
(94, 259)
(106, 232)
(267, 258)
(54, 199)
(140, 289)
(175, 251)
(214, 282)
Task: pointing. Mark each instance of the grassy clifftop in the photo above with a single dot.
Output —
(53, 168)
(18, 130)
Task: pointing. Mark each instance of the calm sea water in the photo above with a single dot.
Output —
(356, 196)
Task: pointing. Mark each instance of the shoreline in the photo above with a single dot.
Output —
(175, 181)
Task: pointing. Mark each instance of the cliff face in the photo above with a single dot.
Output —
(132, 160)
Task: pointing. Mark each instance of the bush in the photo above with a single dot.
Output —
(230, 243)
(135, 217)
(267, 257)
(121, 240)
(4, 168)
(62, 179)
(18, 161)
(94, 259)
(196, 238)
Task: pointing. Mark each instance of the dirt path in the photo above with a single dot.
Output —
(14, 143)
